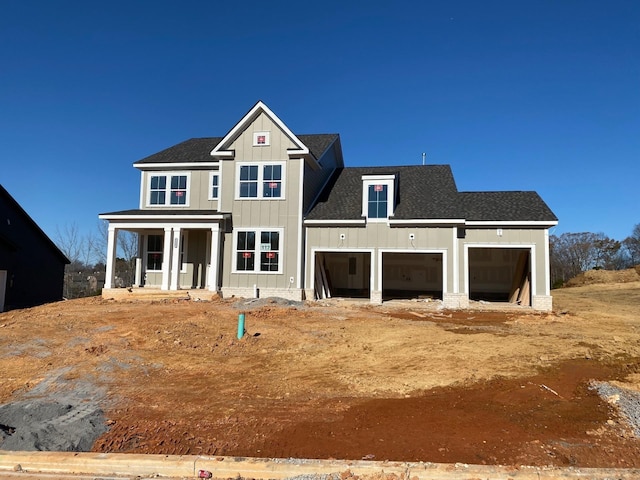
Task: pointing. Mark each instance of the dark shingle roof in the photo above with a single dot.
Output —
(192, 150)
(197, 150)
(427, 192)
(423, 192)
(505, 206)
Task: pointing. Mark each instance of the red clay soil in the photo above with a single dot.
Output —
(507, 422)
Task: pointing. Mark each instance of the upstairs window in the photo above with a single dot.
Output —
(166, 189)
(214, 191)
(378, 197)
(260, 181)
(248, 181)
(377, 201)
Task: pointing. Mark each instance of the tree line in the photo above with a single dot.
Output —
(84, 276)
(574, 253)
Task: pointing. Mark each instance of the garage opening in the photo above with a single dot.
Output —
(500, 275)
(411, 275)
(343, 274)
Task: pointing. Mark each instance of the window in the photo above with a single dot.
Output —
(272, 181)
(154, 252)
(215, 179)
(172, 187)
(157, 190)
(260, 139)
(245, 256)
(248, 181)
(377, 201)
(261, 181)
(179, 190)
(378, 197)
(267, 251)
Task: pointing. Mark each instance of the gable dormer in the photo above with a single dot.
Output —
(378, 197)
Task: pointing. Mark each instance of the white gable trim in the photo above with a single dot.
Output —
(301, 149)
(498, 223)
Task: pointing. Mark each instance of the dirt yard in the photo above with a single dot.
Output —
(401, 381)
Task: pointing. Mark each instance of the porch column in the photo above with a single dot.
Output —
(175, 258)
(138, 278)
(112, 237)
(214, 254)
(166, 259)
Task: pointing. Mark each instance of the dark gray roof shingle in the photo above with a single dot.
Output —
(505, 206)
(427, 192)
(423, 192)
(197, 150)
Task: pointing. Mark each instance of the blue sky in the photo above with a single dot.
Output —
(514, 95)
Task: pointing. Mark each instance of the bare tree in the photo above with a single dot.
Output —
(632, 245)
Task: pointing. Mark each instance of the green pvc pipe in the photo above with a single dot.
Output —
(240, 325)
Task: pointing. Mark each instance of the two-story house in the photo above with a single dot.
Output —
(265, 212)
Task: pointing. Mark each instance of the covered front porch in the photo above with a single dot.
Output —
(175, 252)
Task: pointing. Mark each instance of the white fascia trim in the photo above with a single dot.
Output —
(495, 223)
(335, 222)
(374, 178)
(427, 221)
(219, 150)
(153, 166)
(159, 218)
(161, 225)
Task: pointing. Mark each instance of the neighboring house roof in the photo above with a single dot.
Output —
(422, 192)
(427, 192)
(198, 150)
(505, 206)
(7, 235)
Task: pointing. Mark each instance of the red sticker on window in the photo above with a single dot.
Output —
(271, 255)
(179, 194)
(377, 188)
(262, 139)
(273, 185)
(246, 255)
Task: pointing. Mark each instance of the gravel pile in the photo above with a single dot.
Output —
(627, 402)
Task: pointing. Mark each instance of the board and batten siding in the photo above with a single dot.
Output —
(533, 239)
(378, 237)
(251, 214)
(198, 192)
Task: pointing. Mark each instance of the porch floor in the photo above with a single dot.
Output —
(145, 293)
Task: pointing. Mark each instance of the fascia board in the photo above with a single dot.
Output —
(155, 166)
(427, 221)
(327, 223)
(511, 223)
(160, 217)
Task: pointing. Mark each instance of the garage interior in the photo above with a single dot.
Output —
(343, 275)
(500, 275)
(411, 275)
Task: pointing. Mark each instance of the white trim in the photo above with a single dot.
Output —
(160, 218)
(168, 177)
(547, 266)
(300, 246)
(256, 264)
(142, 191)
(163, 166)
(442, 251)
(370, 251)
(498, 223)
(532, 260)
(336, 222)
(455, 260)
(260, 180)
(371, 180)
(426, 221)
(220, 149)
